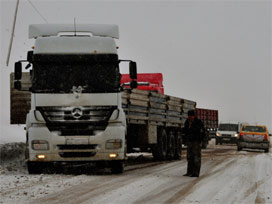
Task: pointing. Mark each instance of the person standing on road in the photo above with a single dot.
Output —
(194, 136)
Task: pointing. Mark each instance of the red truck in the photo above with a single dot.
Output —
(210, 120)
(146, 81)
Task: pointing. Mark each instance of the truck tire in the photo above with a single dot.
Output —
(266, 150)
(204, 145)
(117, 167)
(34, 167)
(206, 140)
(159, 150)
(171, 146)
(239, 148)
(178, 151)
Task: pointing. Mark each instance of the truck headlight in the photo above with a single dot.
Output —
(218, 134)
(40, 145)
(236, 135)
(114, 144)
(114, 115)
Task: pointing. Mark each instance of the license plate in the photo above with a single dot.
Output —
(227, 139)
(77, 141)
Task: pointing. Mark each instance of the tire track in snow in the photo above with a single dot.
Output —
(181, 188)
(84, 191)
(180, 195)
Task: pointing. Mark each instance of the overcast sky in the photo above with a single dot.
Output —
(217, 53)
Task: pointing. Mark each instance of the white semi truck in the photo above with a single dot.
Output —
(79, 112)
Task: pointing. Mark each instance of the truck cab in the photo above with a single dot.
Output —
(76, 113)
(146, 81)
(227, 133)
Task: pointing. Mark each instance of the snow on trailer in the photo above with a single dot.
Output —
(143, 106)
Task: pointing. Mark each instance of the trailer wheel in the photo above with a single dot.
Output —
(171, 146)
(239, 148)
(204, 145)
(206, 140)
(117, 167)
(178, 150)
(159, 150)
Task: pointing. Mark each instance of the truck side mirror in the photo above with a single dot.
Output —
(133, 70)
(18, 71)
(17, 85)
(30, 56)
(133, 84)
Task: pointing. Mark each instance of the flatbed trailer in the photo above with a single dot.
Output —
(155, 122)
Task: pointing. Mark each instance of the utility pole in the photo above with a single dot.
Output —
(12, 32)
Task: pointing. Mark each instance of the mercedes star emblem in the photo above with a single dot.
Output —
(77, 113)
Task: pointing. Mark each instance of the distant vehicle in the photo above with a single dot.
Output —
(227, 133)
(254, 137)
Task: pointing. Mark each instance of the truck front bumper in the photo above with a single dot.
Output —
(228, 140)
(85, 148)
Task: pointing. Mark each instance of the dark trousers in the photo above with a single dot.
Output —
(193, 157)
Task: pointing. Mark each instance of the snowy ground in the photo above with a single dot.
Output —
(227, 176)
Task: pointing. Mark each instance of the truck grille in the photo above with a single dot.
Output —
(85, 147)
(68, 121)
(77, 154)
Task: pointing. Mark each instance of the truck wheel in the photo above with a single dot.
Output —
(216, 142)
(159, 150)
(171, 146)
(239, 148)
(204, 145)
(178, 151)
(266, 150)
(34, 168)
(117, 167)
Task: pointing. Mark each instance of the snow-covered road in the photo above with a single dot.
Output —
(227, 176)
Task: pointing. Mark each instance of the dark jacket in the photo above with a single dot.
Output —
(196, 132)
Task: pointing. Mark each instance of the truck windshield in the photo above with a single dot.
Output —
(64, 74)
(228, 127)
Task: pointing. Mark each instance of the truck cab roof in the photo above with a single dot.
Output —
(45, 30)
(75, 45)
(74, 39)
